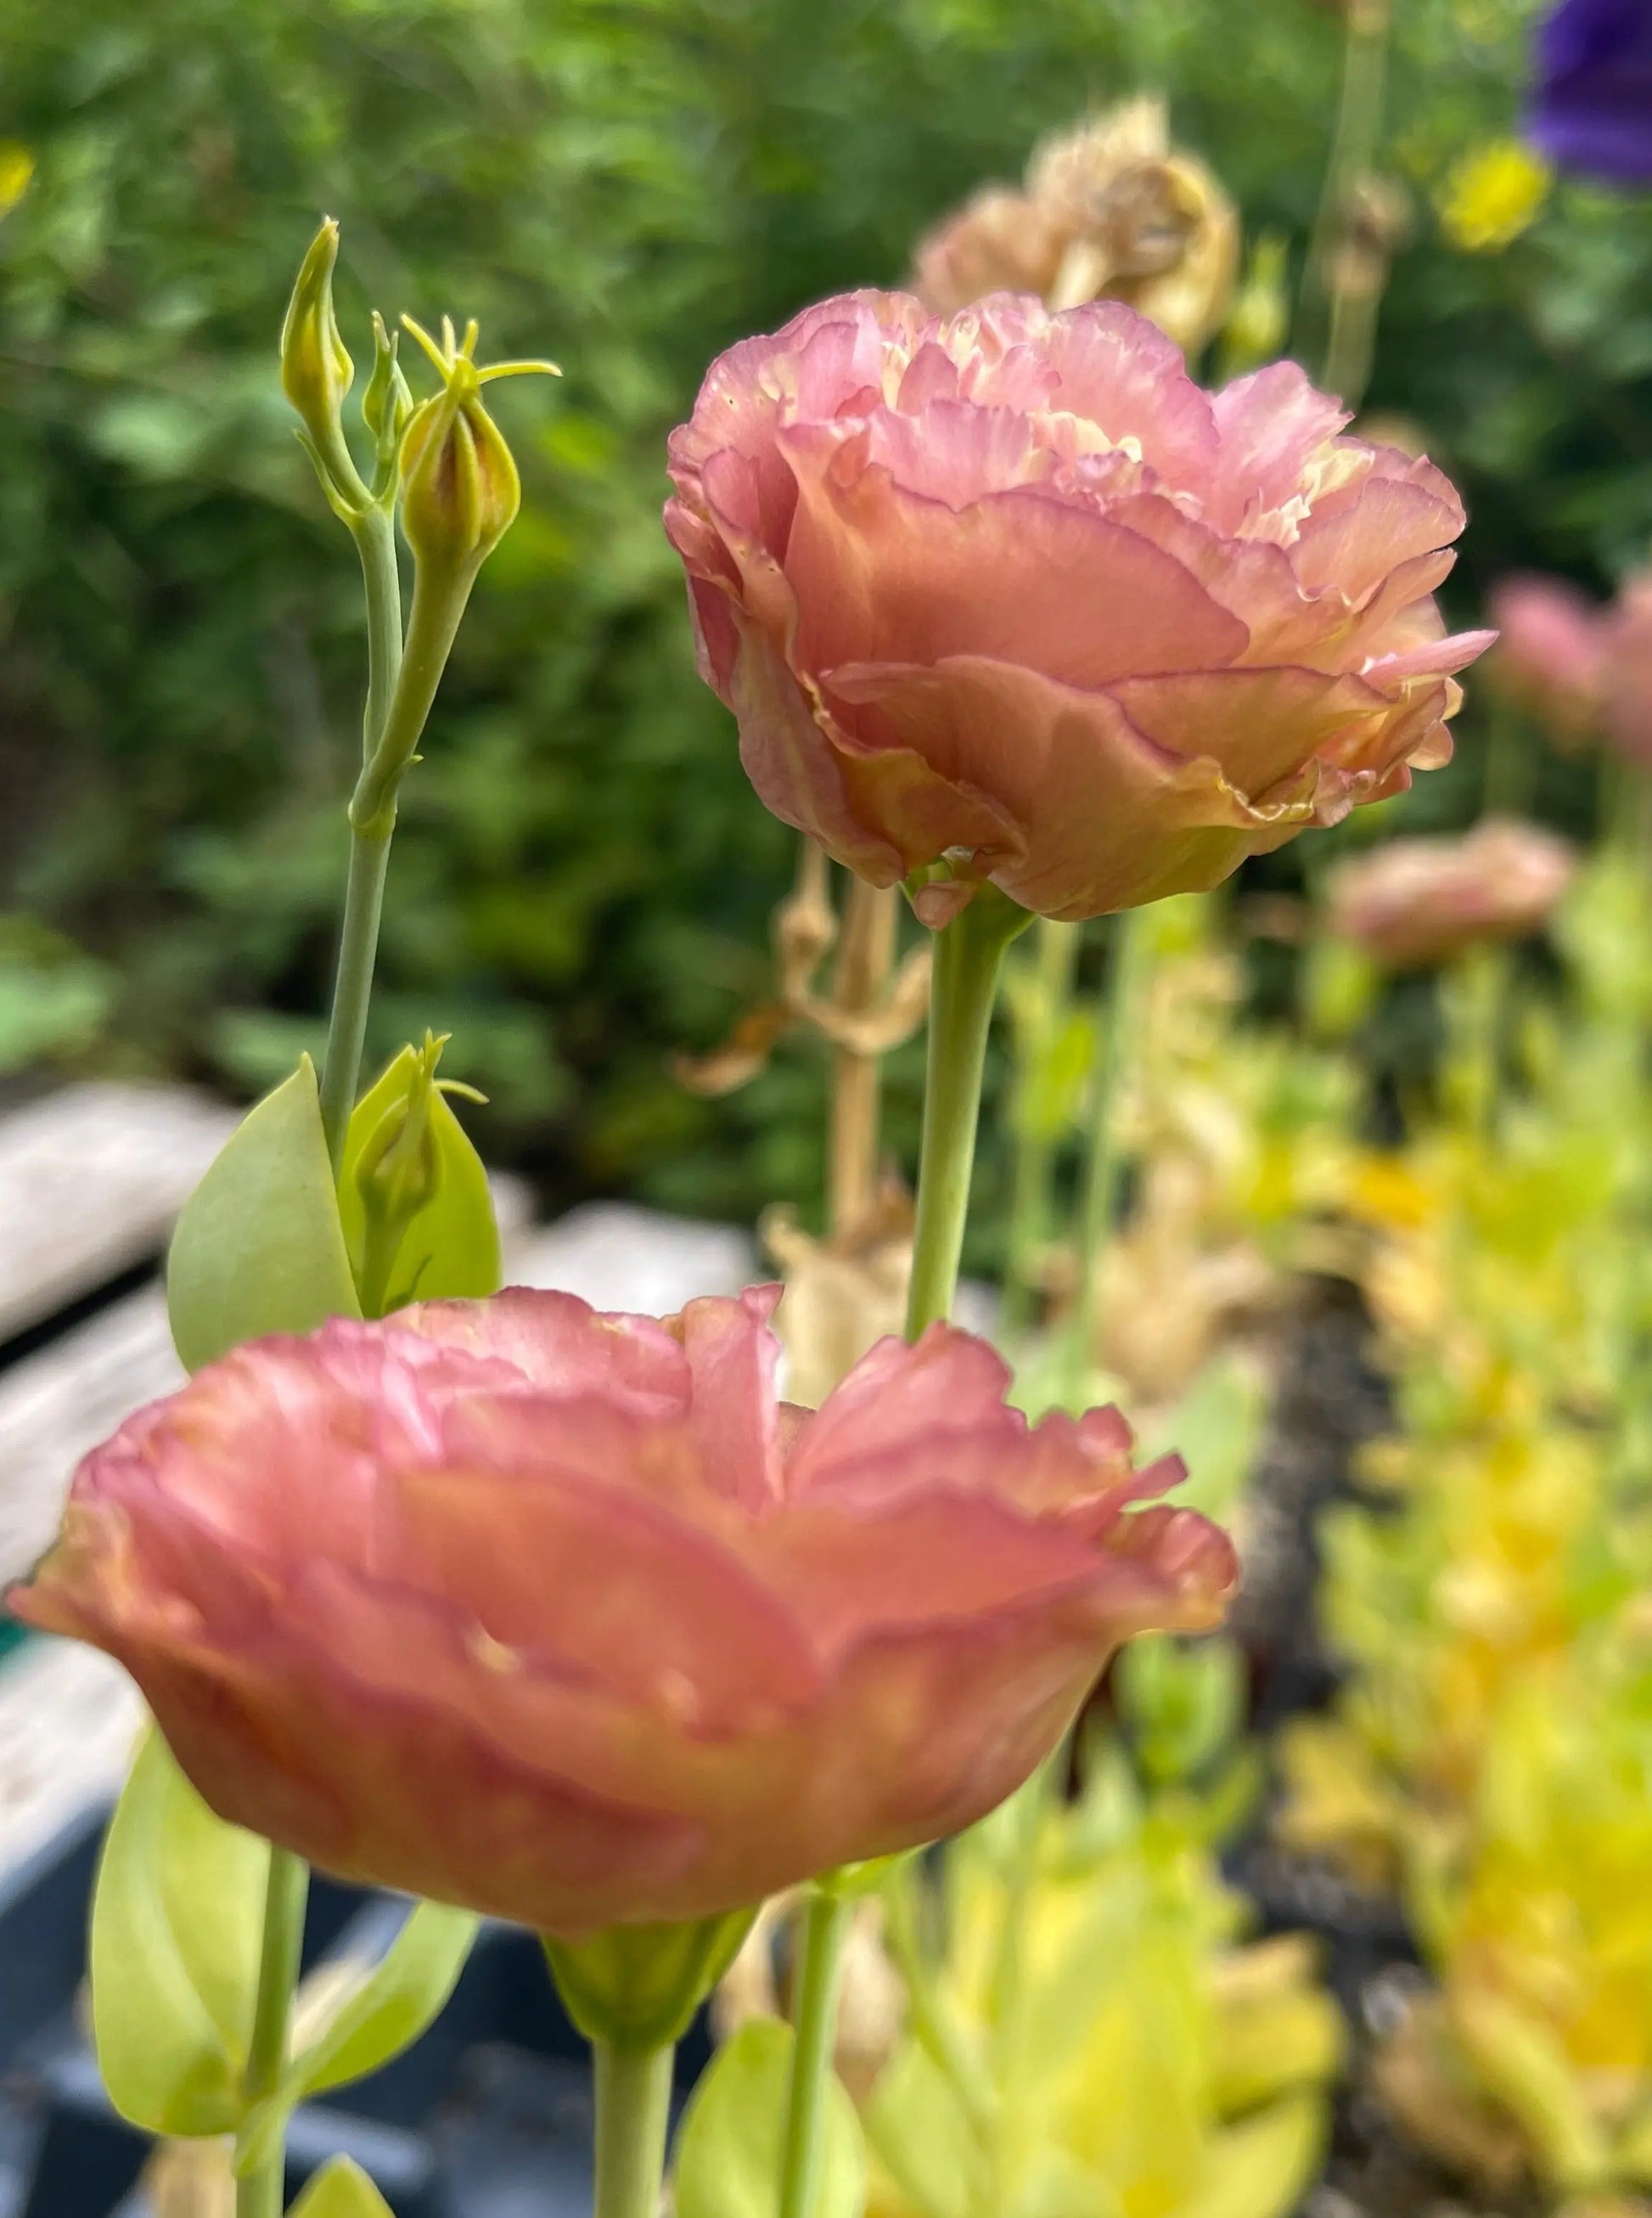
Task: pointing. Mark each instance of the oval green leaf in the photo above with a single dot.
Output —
(259, 1247)
(729, 2153)
(178, 1894)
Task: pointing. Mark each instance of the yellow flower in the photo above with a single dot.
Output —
(16, 168)
(1493, 194)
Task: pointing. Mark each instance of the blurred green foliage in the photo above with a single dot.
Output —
(582, 879)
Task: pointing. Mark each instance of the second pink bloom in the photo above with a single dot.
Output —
(1010, 591)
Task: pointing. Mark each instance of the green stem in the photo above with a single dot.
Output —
(439, 598)
(968, 956)
(262, 2194)
(1103, 1164)
(633, 2102)
(1349, 325)
(369, 853)
(358, 947)
(814, 2016)
(1036, 1140)
(375, 543)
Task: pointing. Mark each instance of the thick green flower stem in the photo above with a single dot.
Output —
(814, 2019)
(1050, 991)
(968, 958)
(439, 598)
(358, 947)
(341, 1065)
(262, 2193)
(633, 2101)
(1102, 1164)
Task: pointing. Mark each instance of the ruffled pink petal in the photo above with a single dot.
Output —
(1269, 425)
(884, 574)
(735, 1357)
(558, 1344)
(898, 1393)
(1119, 820)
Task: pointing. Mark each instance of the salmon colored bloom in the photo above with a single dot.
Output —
(1415, 901)
(1008, 590)
(565, 1616)
(1548, 656)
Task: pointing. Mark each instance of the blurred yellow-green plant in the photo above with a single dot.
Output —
(1532, 2059)
(1090, 2032)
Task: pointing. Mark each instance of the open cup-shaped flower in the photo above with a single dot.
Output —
(566, 1617)
(1008, 592)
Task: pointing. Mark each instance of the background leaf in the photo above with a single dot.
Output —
(728, 2150)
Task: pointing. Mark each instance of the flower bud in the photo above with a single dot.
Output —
(316, 370)
(639, 1985)
(387, 403)
(414, 1197)
(460, 487)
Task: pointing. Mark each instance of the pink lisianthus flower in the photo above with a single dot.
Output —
(1417, 902)
(567, 1617)
(1008, 591)
(1549, 656)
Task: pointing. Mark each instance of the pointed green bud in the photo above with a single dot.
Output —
(387, 403)
(413, 1197)
(460, 488)
(316, 370)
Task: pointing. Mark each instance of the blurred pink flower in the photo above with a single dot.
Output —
(1548, 656)
(1414, 902)
(1010, 591)
(1626, 670)
(565, 1616)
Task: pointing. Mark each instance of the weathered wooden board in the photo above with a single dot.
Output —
(90, 1180)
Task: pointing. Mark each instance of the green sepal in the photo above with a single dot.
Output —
(638, 1987)
(398, 1999)
(341, 2189)
(729, 2148)
(177, 1917)
(413, 1197)
(259, 1247)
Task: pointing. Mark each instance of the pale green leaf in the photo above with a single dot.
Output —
(398, 1999)
(402, 1995)
(259, 1247)
(1261, 2168)
(341, 2189)
(172, 1980)
(922, 2136)
(729, 2153)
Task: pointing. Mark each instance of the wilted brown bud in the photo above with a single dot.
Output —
(1000, 241)
(1375, 223)
(1109, 210)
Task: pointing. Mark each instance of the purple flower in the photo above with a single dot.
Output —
(1591, 108)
